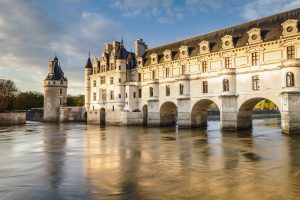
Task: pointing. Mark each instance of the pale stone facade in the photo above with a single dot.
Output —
(235, 68)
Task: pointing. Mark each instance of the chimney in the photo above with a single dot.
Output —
(107, 48)
(140, 47)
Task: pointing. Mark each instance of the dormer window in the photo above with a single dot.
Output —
(227, 42)
(167, 55)
(254, 36)
(140, 61)
(183, 51)
(153, 58)
(289, 27)
(204, 47)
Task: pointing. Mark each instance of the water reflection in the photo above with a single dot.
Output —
(76, 161)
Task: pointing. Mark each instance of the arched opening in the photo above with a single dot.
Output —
(258, 108)
(200, 112)
(145, 115)
(168, 114)
(102, 116)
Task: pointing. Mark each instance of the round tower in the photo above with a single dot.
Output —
(88, 70)
(55, 91)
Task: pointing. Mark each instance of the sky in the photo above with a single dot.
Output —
(33, 31)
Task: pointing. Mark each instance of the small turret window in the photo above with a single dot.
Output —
(61, 81)
(60, 91)
(225, 85)
(181, 87)
(290, 79)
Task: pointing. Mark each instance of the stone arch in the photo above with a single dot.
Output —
(102, 116)
(145, 115)
(244, 115)
(168, 114)
(199, 113)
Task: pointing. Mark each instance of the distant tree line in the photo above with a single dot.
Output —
(12, 99)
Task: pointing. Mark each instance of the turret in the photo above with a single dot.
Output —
(88, 69)
(55, 91)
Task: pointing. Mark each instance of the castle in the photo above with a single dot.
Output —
(234, 68)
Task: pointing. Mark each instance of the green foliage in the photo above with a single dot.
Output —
(8, 90)
(75, 100)
(28, 100)
(265, 105)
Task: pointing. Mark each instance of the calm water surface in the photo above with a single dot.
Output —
(78, 161)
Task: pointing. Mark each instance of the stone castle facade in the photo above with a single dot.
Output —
(234, 68)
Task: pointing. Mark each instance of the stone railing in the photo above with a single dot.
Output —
(291, 63)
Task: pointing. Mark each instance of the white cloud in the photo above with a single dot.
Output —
(261, 8)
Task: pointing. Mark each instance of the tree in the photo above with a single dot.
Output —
(75, 100)
(8, 90)
(28, 100)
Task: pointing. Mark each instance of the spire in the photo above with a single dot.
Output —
(122, 42)
(88, 64)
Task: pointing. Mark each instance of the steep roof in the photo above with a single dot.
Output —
(58, 74)
(271, 29)
(88, 64)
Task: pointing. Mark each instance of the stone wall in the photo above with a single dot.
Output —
(12, 118)
(35, 114)
(71, 114)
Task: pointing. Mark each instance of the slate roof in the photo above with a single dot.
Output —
(58, 73)
(88, 64)
(271, 29)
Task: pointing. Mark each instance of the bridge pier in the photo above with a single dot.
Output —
(228, 112)
(290, 115)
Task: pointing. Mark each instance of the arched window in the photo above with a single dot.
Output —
(225, 85)
(290, 79)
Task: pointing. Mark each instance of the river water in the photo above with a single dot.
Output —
(78, 161)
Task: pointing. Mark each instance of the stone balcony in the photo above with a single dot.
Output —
(183, 96)
(291, 63)
(154, 98)
(183, 77)
(227, 71)
(153, 81)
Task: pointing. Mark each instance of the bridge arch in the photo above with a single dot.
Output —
(199, 112)
(102, 116)
(168, 114)
(145, 115)
(245, 110)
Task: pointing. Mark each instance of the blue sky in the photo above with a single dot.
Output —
(31, 31)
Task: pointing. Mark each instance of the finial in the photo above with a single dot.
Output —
(89, 53)
(122, 40)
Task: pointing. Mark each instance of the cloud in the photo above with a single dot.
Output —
(165, 11)
(261, 8)
(29, 38)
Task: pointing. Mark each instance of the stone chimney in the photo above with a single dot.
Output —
(107, 48)
(140, 47)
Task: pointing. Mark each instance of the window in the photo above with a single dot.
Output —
(255, 82)
(119, 80)
(140, 93)
(134, 95)
(290, 79)
(151, 91)
(60, 91)
(167, 72)
(112, 95)
(60, 101)
(112, 66)
(153, 74)
(225, 85)
(111, 80)
(61, 82)
(227, 62)
(119, 67)
(103, 94)
(126, 96)
(183, 69)
(290, 52)
(94, 83)
(254, 57)
(204, 66)
(205, 87)
(102, 79)
(120, 96)
(94, 96)
(139, 77)
(181, 89)
(167, 90)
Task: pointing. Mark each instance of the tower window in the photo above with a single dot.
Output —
(120, 96)
(60, 91)
(126, 95)
(112, 95)
(254, 58)
(225, 85)
(205, 87)
(134, 95)
(140, 93)
(61, 82)
(119, 80)
(102, 79)
(60, 101)
(227, 62)
(94, 83)
(111, 80)
(290, 79)
(183, 69)
(290, 52)
(204, 66)
(255, 82)
(119, 67)
(139, 77)
(167, 90)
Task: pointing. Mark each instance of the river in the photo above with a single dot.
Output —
(79, 161)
